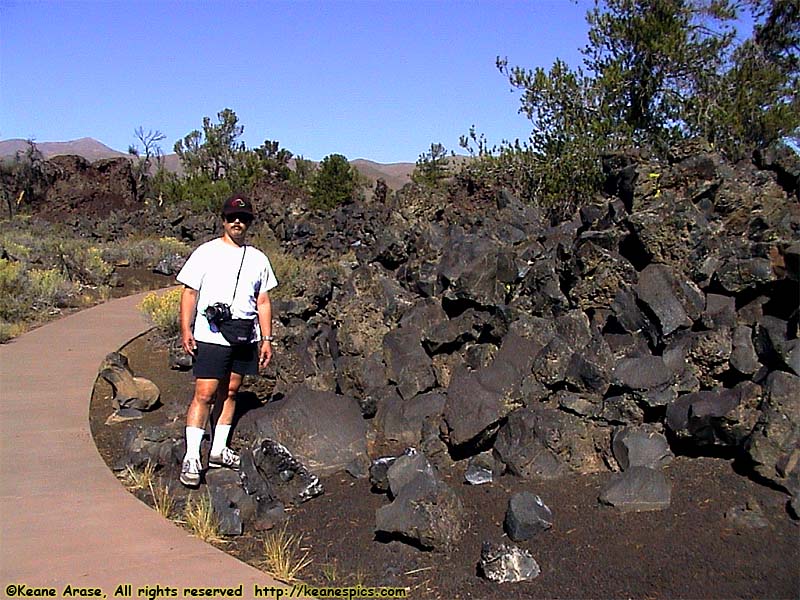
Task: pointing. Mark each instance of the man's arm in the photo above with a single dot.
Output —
(264, 309)
(187, 312)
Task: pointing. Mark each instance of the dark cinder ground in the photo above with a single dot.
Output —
(690, 550)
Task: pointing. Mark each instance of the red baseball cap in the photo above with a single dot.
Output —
(237, 204)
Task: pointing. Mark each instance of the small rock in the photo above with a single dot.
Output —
(406, 468)
(749, 516)
(526, 516)
(179, 359)
(424, 510)
(129, 391)
(359, 467)
(269, 472)
(170, 265)
(378, 473)
(637, 489)
(634, 447)
(506, 563)
(226, 493)
(482, 468)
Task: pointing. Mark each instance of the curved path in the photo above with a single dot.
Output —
(64, 517)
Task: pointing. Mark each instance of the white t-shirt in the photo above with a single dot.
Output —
(212, 269)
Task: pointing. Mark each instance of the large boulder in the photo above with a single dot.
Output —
(478, 400)
(130, 392)
(774, 446)
(600, 273)
(402, 420)
(547, 443)
(647, 377)
(674, 302)
(723, 417)
(323, 430)
(407, 364)
(365, 309)
(774, 346)
(473, 410)
(744, 357)
(470, 270)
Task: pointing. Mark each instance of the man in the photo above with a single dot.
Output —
(229, 272)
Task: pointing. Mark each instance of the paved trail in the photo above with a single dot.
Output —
(64, 518)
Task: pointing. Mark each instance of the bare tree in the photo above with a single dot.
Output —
(149, 150)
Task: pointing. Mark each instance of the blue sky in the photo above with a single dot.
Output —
(368, 79)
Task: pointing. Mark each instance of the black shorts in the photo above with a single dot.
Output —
(212, 361)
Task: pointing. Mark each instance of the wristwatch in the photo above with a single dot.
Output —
(267, 338)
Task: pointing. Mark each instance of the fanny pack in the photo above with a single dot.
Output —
(237, 331)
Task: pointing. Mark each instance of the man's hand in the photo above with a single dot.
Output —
(188, 342)
(264, 308)
(186, 319)
(265, 354)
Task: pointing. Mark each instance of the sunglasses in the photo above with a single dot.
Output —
(246, 219)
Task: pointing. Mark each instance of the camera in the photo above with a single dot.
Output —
(217, 313)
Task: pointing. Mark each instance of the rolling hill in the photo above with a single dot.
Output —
(396, 175)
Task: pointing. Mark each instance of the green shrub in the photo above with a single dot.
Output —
(335, 182)
(26, 292)
(144, 253)
(83, 263)
(50, 247)
(203, 193)
(12, 283)
(14, 249)
(162, 309)
(49, 288)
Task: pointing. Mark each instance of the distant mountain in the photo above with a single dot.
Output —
(88, 148)
(396, 175)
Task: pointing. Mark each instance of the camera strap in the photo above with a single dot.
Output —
(236, 285)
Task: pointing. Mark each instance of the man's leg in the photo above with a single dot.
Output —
(220, 454)
(204, 392)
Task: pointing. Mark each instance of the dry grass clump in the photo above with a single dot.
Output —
(134, 479)
(145, 479)
(163, 501)
(200, 518)
(284, 555)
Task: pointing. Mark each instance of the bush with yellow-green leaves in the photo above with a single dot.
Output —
(162, 309)
(30, 295)
(45, 268)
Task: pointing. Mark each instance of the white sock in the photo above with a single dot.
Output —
(221, 433)
(194, 436)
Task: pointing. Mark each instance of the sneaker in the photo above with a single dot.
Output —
(190, 472)
(226, 458)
